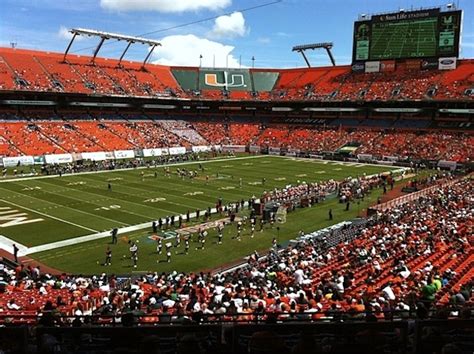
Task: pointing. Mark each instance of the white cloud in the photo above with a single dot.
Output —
(263, 40)
(229, 26)
(164, 5)
(184, 50)
(64, 33)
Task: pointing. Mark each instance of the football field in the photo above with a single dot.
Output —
(66, 211)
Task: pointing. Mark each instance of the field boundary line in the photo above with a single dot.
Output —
(98, 235)
(6, 244)
(80, 239)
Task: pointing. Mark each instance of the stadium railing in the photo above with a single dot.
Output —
(410, 197)
(262, 337)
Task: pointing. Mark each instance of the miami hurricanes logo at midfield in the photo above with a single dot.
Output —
(230, 80)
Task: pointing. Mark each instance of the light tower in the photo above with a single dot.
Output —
(325, 45)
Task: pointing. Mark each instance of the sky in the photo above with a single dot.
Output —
(221, 33)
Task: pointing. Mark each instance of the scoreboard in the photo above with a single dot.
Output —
(404, 35)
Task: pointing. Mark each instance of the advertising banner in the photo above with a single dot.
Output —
(372, 67)
(94, 156)
(152, 152)
(179, 150)
(447, 63)
(365, 157)
(39, 160)
(109, 155)
(358, 67)
(58, 158)
(429, 64)
(296, 151)
(201, 148)
(390, 158)
(387, 65)
(233, 148)
(412, 64)
(274, 150)
(406, 15)
(76, 156)
(18, 160)
(254, 148)
(124, 154)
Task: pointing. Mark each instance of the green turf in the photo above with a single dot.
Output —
(84, 258)
(78, 205)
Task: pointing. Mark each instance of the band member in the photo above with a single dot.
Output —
(133, 253)
(159, 246)
(168, 251)
(220, 233)
(239, 230)
(177, 240)
(108, 256)
(186, 245)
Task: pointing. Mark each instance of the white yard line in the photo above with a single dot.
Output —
(49, 216)
(121, 187)
(114, 200)
(62, 206)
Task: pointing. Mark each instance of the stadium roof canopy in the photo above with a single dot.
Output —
(107, 35)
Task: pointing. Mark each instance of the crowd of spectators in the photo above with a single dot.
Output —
(184, 131)
(400, 84)
(295, 195)
(50, 137)
(48, 72)
(414, 259)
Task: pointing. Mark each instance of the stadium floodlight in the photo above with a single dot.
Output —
(106, 36)
(323, 45)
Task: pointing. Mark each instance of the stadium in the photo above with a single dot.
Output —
(152, 208)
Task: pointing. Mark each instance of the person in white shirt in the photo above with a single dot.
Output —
(299, 276)
(428, 267)
(13, 306)
(340, 286)
(404, 272)
(388, 292)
